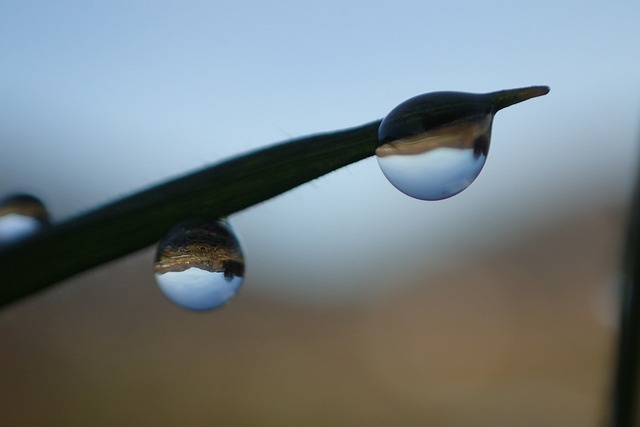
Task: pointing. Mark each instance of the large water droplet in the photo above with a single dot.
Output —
(20, 216)
(199, 264)
(438, 163)
(433, 146)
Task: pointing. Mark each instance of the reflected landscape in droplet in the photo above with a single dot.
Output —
(199, 265)
(21, 216)
(439, 163)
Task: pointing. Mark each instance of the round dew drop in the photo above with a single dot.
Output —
(436, 163)
(199, 264)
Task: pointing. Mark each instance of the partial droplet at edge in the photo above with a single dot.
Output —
(26, 205)
(21, 217)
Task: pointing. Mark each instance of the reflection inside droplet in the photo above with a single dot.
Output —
(439, 163)
(20, 216)
(199, 264)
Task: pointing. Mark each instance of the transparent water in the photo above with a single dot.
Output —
(437, 164)
(199, 265)
(197, 289)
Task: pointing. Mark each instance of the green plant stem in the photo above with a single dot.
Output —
(626, 388)
(141, 219)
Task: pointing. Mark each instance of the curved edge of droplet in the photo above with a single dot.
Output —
(199, 290)
(505, 98)
(412, 187)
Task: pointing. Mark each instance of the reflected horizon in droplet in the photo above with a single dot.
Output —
(199, 265)
(21, 216)
(437, 164)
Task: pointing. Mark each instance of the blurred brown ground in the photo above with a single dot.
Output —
(520, 336)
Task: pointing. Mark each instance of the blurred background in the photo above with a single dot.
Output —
(361, 306)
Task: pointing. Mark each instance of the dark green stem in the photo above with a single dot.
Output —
(140, 220)
(626, 398)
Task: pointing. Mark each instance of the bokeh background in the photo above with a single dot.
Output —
(361, 306)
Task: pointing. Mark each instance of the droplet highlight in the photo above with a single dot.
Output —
(199, 264)
(21, 215)
(438, 163)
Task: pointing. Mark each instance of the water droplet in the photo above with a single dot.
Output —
(433, 158)
(437, 164)
(199, 264)
(433, 146)
(20, 216)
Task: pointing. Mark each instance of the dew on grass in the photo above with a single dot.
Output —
(199, 264)
(434, 145)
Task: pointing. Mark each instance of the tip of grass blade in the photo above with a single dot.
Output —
(508, 97)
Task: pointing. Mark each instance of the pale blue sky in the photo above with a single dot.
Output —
(98, 99)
